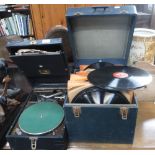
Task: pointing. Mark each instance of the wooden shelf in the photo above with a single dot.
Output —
(27, 36)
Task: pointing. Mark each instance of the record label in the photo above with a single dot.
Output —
(120, 75)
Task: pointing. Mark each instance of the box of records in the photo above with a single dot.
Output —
(40, 124)
(102, 106)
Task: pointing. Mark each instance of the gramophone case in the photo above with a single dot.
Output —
(101, 34)
(46, 73)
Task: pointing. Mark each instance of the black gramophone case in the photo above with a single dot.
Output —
(101, 34)
(44, 72)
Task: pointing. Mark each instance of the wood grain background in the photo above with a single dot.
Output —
(45, 16)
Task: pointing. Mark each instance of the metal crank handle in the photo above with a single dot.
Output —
(59, 97)
(50, 96)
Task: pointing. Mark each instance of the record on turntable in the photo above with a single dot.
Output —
(119, 78)
(41, 118)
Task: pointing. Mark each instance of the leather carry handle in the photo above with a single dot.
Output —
(100, 8)
(3, 96)
(3, 104)
(6, 81)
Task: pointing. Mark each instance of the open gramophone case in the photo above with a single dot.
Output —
(95, 114)
(40, 124)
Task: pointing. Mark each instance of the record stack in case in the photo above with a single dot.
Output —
(106, 84)
(104, 96)
(102, 105)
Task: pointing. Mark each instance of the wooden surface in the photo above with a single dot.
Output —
(144, 134)
(45, 16)
(36, 20)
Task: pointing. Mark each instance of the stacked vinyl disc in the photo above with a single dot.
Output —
(108, 84)
(119, 78)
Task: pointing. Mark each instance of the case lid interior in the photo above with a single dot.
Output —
(41, 68)
(101, 34)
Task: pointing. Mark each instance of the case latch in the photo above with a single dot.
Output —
(124, 113)
(76, 111)
(33, 142)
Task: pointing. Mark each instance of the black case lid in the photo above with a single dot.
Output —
(41, 68)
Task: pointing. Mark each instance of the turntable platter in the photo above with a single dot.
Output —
(41, 118)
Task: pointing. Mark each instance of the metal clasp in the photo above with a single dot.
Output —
(33, 142)
(76, 111)
(124, 113)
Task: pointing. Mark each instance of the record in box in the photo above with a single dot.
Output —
(120, 78)
(102, 106)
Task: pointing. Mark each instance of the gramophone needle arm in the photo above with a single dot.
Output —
(50, 96)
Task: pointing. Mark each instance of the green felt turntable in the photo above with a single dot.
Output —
(41, 118)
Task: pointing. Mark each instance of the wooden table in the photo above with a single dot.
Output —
(144, 133)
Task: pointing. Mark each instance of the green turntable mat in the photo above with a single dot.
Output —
(41, 118)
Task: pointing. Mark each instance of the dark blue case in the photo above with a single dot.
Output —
(101, 34)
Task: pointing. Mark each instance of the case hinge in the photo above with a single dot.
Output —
(33, 142)
(124, 113)
(76, 111)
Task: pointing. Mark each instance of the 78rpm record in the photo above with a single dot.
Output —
(41, 118)
(99, 65)
(119, 78)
